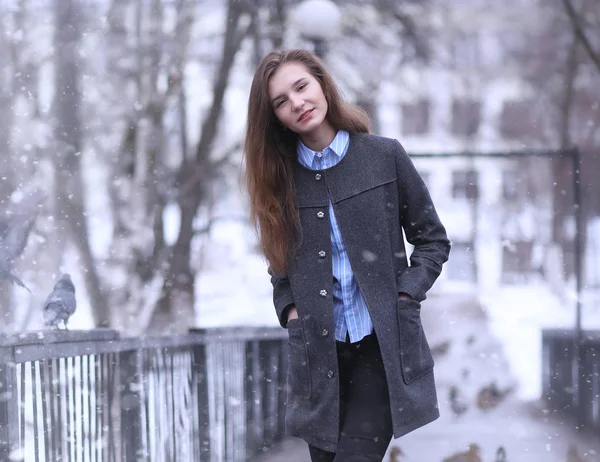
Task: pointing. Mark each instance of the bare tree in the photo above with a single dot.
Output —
(581, 32)
(7, 93)
(176, 306)
(19, 105)
(69, 140)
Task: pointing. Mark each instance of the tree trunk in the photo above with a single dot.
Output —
(9, 88)
(176, 307)
(68, 138)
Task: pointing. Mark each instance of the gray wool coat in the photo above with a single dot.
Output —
(376, 193)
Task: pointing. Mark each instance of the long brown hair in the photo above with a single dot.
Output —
(270, 153)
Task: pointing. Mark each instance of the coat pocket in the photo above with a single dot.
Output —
(415, 354)
(299, 370)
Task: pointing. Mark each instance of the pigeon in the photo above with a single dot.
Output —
(501, 454)
(440, 349)
(16, 224)
(470, 455)
(457, 403)
(490, 396)
(395, 454)
(61, 302)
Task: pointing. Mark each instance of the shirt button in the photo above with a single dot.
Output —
(322, 254)
(318, 177)
(319, 154)
(323, 293)
(320, 215)
(330, 373)
(324, 333)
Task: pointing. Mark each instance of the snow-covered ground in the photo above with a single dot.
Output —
(476, 357)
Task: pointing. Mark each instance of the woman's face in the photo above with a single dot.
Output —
(297, 98)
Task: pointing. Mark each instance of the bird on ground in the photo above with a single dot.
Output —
(457, 403)
(16, 223)
(61, 303)
(501, 454)
(395, 454)
(440, 349)
(573, 454)
(470, 455)
(490, 396)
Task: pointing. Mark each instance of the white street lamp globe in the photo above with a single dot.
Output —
(317, 19)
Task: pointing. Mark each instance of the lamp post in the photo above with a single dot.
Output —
(317, 21)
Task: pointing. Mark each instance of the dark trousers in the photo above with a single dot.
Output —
(365, 417)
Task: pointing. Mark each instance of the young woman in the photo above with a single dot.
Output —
(330, 202)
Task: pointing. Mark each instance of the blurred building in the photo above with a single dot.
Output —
(468, 97)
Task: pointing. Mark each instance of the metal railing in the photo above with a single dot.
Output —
(562, 362)
(209, 395)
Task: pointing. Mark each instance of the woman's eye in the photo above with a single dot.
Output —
(279, 103)
(301, 87)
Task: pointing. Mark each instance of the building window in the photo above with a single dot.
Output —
(465, 184)
(415, 117)
(517, 120)
(465, 117)
(516, 262)
(514, 186)
(461, 267)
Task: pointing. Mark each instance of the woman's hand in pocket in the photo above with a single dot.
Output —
(292, 314)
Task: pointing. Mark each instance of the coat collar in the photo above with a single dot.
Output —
(368, 163)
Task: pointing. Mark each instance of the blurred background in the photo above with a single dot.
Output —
(129, 116)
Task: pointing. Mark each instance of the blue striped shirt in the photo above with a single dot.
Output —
(350, 311)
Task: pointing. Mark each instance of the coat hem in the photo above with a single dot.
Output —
(331, 446)
(428, 418)
(328, 446)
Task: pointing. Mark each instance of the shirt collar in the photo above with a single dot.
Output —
(337, 146)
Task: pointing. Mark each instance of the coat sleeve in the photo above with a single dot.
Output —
(283, 296)
(423, 229)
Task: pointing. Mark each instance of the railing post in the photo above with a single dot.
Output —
(202, 398)
(252, 385)
(271, 367)
(10, 442)
(546, 366)
(130, 399)
(283, 388)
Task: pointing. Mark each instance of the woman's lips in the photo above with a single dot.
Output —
(305, 115)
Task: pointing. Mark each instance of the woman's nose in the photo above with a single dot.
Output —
(297, 102)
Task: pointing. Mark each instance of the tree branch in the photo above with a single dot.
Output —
(580, 33)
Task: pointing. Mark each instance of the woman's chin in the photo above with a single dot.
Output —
(310, 126)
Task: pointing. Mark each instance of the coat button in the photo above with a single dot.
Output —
(320, 215)
(318, 177)
(322, 254)
(324, 333)
(323, 293)
(330, 373)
